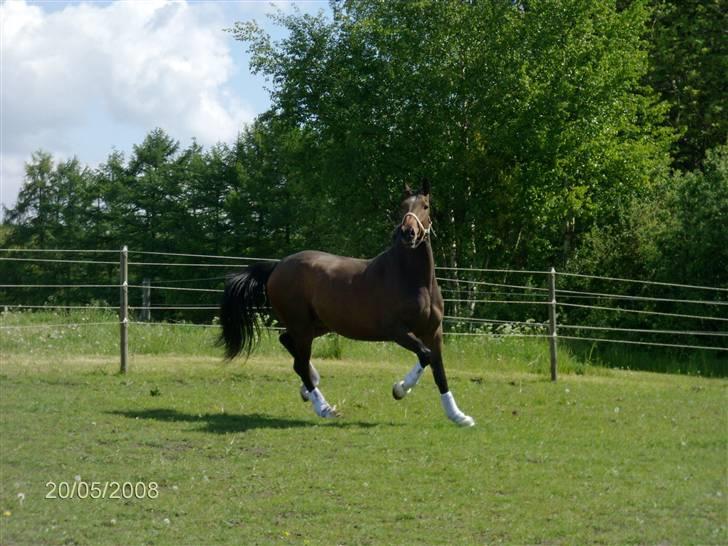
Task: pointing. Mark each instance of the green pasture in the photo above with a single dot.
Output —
(603, 456)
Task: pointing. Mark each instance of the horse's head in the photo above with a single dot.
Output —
(416, 223)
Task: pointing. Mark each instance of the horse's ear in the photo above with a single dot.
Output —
(425, 186)
(408, 191)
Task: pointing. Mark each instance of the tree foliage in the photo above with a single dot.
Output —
(532, 123)
(688, 67)
(676, 233)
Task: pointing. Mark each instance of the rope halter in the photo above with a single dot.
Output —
(424, 231)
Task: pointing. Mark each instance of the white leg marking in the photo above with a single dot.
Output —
(453, 412)
(402, 388)
(320, 405)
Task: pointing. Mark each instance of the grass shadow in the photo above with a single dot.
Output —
(222, 423)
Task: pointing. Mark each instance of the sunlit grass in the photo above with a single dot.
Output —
(600, 457)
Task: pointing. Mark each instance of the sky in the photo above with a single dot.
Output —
(84, 78)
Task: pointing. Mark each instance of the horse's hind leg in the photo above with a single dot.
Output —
(287, 341)
(301, 346)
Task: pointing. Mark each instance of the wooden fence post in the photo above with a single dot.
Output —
(552, 322)
(124, 308)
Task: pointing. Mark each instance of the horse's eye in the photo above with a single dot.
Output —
(427, 207)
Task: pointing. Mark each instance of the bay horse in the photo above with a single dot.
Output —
(392, 297)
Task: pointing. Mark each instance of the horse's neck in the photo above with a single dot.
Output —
(417, 265)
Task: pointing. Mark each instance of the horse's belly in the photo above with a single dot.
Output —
(360, 332)
(346, 324)
(353, 315)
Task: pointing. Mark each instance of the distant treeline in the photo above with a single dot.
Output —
(575, 134)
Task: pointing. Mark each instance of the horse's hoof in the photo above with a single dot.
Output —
(465, 421)
(329, 412)
(398, 390)
(304, 393)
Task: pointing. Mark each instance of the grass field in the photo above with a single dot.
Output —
(600, 457)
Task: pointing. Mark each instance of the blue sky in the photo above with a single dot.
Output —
(83, 78)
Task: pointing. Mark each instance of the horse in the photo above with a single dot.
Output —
(392, 297)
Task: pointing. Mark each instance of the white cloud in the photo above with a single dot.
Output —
(136, 64)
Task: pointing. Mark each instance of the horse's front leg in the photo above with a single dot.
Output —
(411, 342)
(432, 356)
(404, 387)
(438, 372)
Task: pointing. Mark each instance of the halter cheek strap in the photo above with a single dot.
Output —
(424, 230)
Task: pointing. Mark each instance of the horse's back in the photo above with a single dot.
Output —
(328, 267)
(326, 288)
(307, 273)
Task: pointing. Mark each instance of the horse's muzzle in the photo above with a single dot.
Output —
(408, 234)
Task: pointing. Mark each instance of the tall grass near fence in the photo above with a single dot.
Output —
(78, 333)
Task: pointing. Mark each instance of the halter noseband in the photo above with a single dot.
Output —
(425, 231)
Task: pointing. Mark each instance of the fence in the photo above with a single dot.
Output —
(541, 291)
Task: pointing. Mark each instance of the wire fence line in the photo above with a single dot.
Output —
(494, 321)
(654, 283)
(648, 343)
(59, 250)
(172, 281)
(501, 285)
(491, 335)
(61, 307)
(178, 254)
(59, 325)
(638, 298)
(509, 294)
(642, 311)
(561, 292)
(258, 259)
(193, 325)
(182, 264)
(174, 307)
(177, 288)
(189, 324)
(58, 260)
(464, 291)
(495, 334)
(485, 270)
(60, 286)
(643, 330)
(465, 300)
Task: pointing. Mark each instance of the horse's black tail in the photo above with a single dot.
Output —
(244, 299)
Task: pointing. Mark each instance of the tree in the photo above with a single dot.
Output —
(674, 234)
(532, 122)
(693, 244)
(31, 215)
(274, 208)
(51, 212)
(688, 67)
